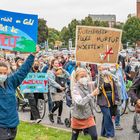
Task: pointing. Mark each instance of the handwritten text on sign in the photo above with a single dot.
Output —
(35, 83)
(18, 32)
(97, 44)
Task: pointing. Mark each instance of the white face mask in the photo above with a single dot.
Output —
(3, 78)
(113, 70)
(83, 81)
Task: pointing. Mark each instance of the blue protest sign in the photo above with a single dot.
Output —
(18, 32)
(35, 83)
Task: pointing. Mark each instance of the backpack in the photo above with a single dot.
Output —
(61, 81)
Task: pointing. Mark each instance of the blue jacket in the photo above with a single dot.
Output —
(8, 104)
(70, 66)
(45, 69)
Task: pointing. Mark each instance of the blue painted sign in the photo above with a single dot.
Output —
(35, 83)
(18, 32)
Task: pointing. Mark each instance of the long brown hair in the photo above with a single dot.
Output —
(52, 63)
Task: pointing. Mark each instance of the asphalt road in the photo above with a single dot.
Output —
(126, 123)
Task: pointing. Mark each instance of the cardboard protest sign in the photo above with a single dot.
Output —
(18, 32)
(35, 83)
(97, 44)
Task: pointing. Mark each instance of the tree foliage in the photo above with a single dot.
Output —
(131, 30)
(42, 31)
(54, 35)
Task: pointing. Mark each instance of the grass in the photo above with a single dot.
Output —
(28, 131)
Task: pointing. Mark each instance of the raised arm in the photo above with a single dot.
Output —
(17, 77)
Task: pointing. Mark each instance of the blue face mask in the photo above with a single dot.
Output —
(3, 78)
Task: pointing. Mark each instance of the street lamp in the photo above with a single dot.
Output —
(70, 44)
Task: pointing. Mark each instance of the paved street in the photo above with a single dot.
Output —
(126, 122)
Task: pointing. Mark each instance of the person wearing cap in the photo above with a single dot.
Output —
(82, 107)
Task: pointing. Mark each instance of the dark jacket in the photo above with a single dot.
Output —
(134, 91)
(102, 98)
(8, 104)
(45, 69)
(70, 66)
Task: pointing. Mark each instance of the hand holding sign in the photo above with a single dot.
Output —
(37, 50)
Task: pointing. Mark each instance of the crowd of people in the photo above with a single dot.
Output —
(81, 81)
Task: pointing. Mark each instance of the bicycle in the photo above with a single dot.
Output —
(24, 103)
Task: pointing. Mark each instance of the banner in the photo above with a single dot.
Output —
(97, 44)
(18, 32)
(35, 83)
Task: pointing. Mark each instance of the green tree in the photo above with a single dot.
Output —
(101, 23)
(53, 35)
(72, 29)
(65, 36)
(42, 31)
(119, 26)
(131, 30)
(87, 21)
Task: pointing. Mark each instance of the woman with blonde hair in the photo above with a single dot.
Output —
(82, 107)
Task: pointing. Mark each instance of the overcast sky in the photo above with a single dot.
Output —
(59, 13)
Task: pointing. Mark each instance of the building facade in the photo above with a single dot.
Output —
(138, 8)
(111, 19)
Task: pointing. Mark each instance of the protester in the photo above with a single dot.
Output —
(78, 65)
(82, 108)
(13, 67)
(61, 79)
(9, 119)
(33, 98)
(94, 71)
(53, 85)
(123, 96)
(134, 93)
(107, 99)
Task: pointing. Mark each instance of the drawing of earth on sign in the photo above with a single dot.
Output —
(18, 41)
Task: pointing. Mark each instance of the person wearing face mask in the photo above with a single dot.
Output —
(33, 98)
(107, 100)
(78, 65)
(82, 106)
(53, 86)
(9, 119)
(61, 79)
(13, 67)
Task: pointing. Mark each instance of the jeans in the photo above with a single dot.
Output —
(91, 131)
(107, 124)
(117, 118)
(8, 133)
